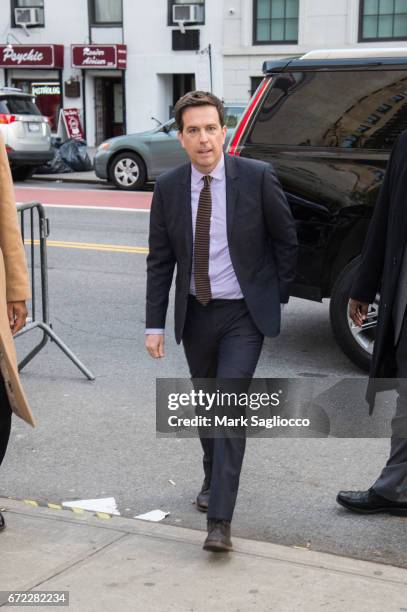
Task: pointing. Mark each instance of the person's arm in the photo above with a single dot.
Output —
(160, 270)
(368, 275)
(369, 272)
(11, 245)
(281, 227)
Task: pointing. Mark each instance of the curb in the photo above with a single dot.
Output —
(70, 178)
(53, 506)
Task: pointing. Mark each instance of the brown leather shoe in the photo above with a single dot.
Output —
(202, 500)
(218, 539)
(2, 522)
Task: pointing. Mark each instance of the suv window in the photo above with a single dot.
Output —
(18, 105)
(232, 115)
(364, 109)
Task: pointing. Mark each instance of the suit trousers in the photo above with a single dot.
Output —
(5, 419)
(221, 341)
(392, 482)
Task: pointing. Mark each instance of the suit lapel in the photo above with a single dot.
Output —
(231, 193)
(186, 209)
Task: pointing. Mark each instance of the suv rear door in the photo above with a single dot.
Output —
(22, 125)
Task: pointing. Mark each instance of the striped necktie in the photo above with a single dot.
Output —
(201, 246)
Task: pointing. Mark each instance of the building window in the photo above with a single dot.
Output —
(275, 21)
(106, 12)
(383, 20)
(32, 15)
(197, 12)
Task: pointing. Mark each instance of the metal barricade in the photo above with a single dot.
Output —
(33, 215)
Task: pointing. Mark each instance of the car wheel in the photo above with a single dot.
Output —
(128, 171)
(22, 173)
(356, 342)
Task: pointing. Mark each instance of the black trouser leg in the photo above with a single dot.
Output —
(222, 340)
(392, 482)
(5, 419)
(201, 353)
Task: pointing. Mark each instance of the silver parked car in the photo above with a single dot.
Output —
(26, 132)
(131, 160)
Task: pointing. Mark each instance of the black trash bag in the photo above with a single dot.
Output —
(55, 166)
(74, 154)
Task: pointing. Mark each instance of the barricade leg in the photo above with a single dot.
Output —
(44, 324)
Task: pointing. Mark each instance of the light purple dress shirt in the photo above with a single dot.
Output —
(224, 284)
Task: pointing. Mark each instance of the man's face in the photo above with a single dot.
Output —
(202, 137)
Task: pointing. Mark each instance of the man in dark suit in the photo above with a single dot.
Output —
(226, 224)
(384, 266)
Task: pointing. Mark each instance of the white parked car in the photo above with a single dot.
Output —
(26, 132)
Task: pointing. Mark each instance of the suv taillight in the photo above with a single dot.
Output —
(253, 104)
(6, 119)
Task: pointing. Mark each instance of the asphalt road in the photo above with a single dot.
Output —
(97, 439)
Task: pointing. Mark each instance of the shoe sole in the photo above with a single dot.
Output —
(201, 508)
(217, 547)
(384, 509)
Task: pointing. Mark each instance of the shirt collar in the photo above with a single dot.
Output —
(217, 173)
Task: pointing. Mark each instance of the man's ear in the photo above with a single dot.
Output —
(181, 138)
(224, 130)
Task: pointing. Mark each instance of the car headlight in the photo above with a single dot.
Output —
(104, 146)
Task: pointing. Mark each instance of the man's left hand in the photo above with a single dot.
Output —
(17, 315)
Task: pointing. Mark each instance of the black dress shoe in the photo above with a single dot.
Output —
(2, 522)
(369, 502)
(218, 539)
(202, 500)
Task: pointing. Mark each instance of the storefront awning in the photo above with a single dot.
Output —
(31, 56)
(99, 56)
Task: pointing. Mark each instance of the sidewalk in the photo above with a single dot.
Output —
(70, 177)
(130, 565)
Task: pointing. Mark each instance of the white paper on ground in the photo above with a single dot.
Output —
(104, 504)
(154, 515)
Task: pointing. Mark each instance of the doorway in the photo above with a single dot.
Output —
(181, 84)
(109, 108)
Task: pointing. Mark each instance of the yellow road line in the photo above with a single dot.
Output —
(90, 246)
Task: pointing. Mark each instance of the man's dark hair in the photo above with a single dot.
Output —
(198, 98)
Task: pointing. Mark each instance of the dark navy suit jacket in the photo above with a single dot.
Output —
(261, 236)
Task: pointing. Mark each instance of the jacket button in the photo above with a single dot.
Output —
(384, 305)
(394, 261)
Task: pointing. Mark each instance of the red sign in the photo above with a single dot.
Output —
(31, 56)
(99, 56)
(72, 123)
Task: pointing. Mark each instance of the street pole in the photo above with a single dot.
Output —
(210, 65)
(208, 51)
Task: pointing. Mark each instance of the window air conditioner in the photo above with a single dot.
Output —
(188, 13)
(28, 16)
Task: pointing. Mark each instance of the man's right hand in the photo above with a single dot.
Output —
(358, 311)
(155, 345)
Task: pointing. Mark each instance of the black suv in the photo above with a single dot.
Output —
(327, 122)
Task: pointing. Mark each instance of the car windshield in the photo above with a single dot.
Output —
(18, 105)
(169, 125)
